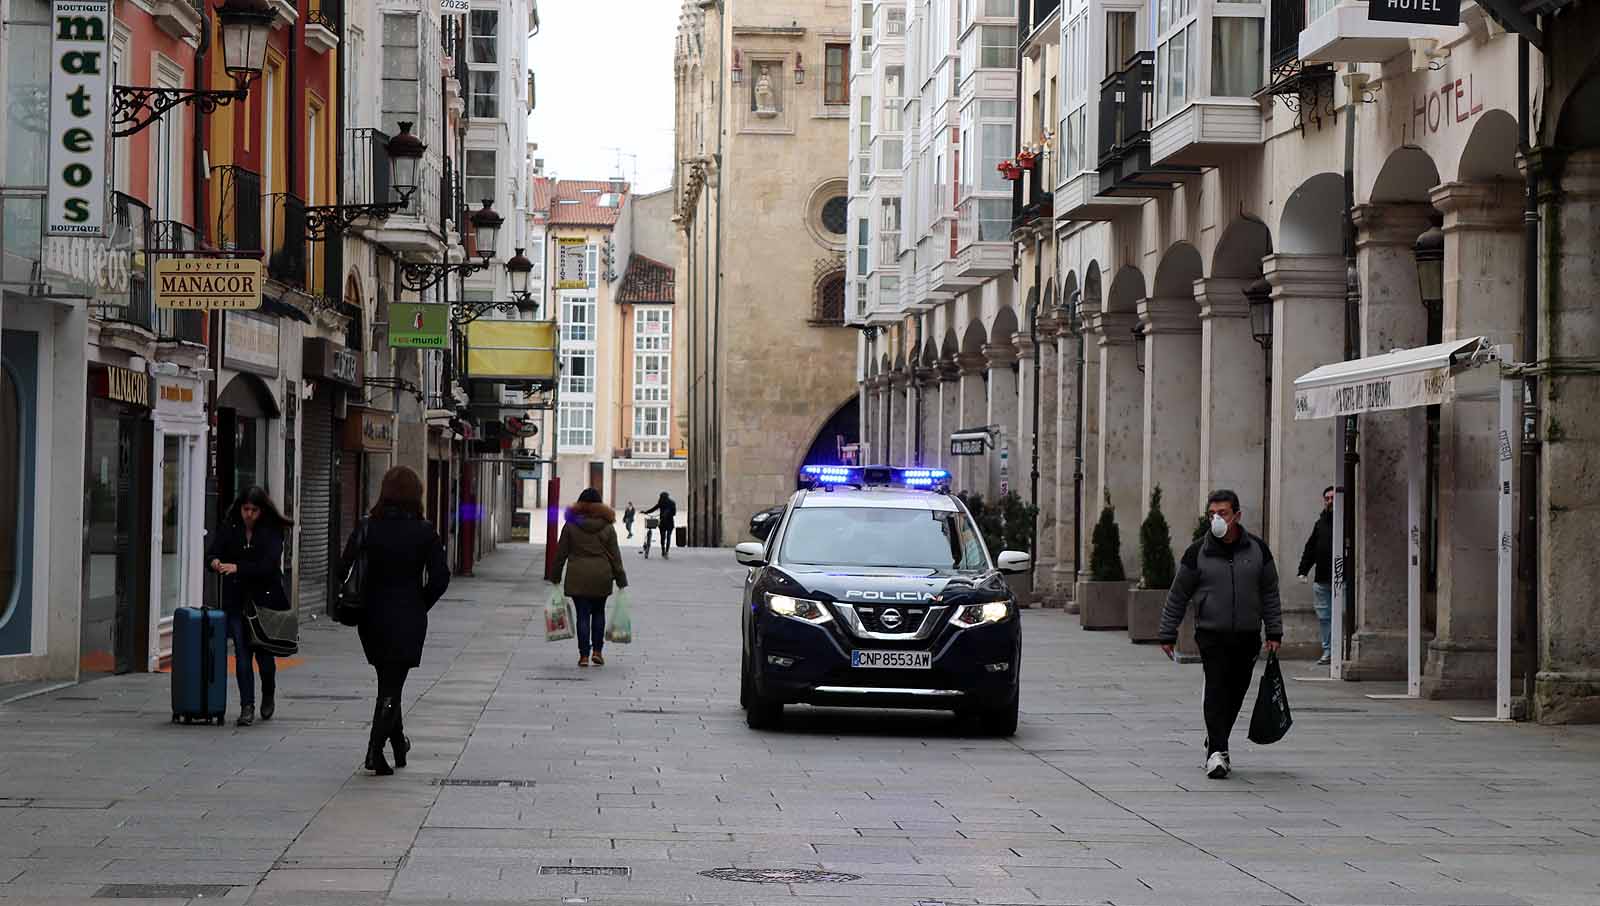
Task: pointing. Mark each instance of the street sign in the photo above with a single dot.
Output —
(1417, 12)
(572, 258)
(208, 283)
(414, 326)
(974, 443)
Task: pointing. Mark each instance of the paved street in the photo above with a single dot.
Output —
(526, 768)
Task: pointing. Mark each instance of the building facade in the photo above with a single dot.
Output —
(1180, 154)
(763, 209)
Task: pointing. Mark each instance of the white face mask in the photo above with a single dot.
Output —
(1219, 526)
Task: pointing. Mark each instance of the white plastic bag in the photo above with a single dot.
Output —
(619, 623)
(557, 618)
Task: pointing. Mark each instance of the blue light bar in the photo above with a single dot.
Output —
(862, 476)
(833, 474)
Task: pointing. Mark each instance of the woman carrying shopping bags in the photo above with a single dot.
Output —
(406, 574)
(588, 561)
(248, 554)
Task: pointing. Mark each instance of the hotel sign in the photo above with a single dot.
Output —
(208, 283)
(80, 129)
(1417, 12)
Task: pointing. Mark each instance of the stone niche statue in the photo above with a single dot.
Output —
(764, 98)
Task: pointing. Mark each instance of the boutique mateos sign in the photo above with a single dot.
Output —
(80, 104)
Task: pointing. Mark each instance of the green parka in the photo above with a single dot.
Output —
(587, 557)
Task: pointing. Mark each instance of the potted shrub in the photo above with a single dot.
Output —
(1103, 600)
(1156, 569)
(1016, 519)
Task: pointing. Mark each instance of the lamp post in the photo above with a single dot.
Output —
(1138, 347)
(419, 276)
(519, 269)
(1429, 253)
(1259, 295)
(1075, 324)
(405, 153)
(245, 26)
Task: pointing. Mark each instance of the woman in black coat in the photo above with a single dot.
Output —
(405, 576)
(248, 554)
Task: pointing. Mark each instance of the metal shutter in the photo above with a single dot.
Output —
(316, 505)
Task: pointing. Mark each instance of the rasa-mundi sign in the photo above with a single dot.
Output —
(418, 326)
(80, 104)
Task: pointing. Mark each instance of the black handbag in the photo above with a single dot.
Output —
(1271, 719)
(273, 631)
(350, 604)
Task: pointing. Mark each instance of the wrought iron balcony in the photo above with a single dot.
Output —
(288, 252)
(324, 25)
(236, 197)
(126, 259)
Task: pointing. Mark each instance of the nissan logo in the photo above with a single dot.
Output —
(891, 618)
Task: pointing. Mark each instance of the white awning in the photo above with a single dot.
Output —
(1401, 379)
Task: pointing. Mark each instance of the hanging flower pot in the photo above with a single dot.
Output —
(1025, 159)
(1009, 170)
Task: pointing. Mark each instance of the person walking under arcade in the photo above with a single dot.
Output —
(406, 574)
(248, 554)
(1318, 555)
(1230, 579)
(588, 561)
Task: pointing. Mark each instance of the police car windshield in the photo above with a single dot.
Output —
(883, 537)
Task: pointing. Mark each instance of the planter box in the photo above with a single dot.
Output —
(1103, 605)
(1144, 613)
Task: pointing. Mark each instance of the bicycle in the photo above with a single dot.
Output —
(650, 525)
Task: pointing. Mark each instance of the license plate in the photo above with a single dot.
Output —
(905, 660)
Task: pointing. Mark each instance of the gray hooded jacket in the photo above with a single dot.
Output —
(1233, 587)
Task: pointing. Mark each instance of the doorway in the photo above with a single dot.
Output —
(113, 632)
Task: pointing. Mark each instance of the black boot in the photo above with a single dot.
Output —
(398, 740)
(382, 718)
(268, 704)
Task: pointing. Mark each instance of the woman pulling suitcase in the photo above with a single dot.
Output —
(406, 574)
(248, 554)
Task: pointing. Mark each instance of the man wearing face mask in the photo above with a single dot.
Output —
(1230, 579)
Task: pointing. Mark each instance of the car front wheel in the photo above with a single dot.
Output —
(1000, 721)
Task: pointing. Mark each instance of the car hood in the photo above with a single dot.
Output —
(857, 585)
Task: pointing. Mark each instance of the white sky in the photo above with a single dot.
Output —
(604, 69)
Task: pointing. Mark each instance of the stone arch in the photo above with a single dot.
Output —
(949, 346)
(1048, 302)
(1490, 154)
(973, 338)
(1313, 217)
(1092, 294)
(1244, 243)
(1407, 176)
(1069, 286)
(841, 427)
(1178, 270)
(1127, 291)
(1005, 324)
(1578, 127)
(930, 353)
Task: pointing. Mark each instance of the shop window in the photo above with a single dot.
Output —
(11, 534)
(174, 503)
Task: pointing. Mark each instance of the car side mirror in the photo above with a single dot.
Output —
(750, 553)
(1014, 561)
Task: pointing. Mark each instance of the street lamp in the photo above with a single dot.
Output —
(1138, 347)
(404, 152)
(1429, 252)
(1074, 311)
(421, 275)
(1259, 295)
(519, 269)
(245, 26)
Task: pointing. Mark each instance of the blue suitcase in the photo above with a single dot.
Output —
(199, 665)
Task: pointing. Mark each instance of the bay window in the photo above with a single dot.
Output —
(483, 58)
(997, 46)
(1236, 60)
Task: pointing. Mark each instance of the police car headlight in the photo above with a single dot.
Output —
(799, 609)
(979, 614)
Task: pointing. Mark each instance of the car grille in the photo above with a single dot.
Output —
(910, 618)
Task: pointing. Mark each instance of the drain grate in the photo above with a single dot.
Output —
(493, 782)
(778, 875)
(585, 871)
(162, 891)
(324, 697)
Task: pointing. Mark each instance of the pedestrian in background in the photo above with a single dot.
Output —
(1230, 578)
(588, 561)
(667, 509)
(406, 574)
(248, 554)
(627, 519)
(1318, 557)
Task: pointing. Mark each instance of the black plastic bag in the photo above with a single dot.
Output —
(1271, 720)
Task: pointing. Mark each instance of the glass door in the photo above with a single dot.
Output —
(176, 545)
(110, 636)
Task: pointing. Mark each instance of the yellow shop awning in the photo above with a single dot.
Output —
(511, 351)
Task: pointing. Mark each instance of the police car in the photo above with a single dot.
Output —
(874, 589)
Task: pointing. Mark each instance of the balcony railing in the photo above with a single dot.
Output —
(1127, 106)
(129, 242)
(327, 13)
(288, 250)
(236, 197)
(366, 167)
(1288, 20)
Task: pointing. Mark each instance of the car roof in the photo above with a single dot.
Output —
(877, 498)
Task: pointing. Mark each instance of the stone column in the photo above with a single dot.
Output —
(1482, 296)
(949, 411)
(1308, 293)
(1049, 454)
(1568, 683)
(1233, 385)
(1073, 382)
(1120, 435)
(871, 393)
(913, 417)
(928, 422)
(1021, 428)
(864, 407)
(1003, 469)
(1392, 316)
(1171, 454)
(899, 381)
(973, 413)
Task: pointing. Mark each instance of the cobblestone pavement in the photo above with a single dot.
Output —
(531, 779)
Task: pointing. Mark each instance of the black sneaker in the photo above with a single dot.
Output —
(247, 716)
